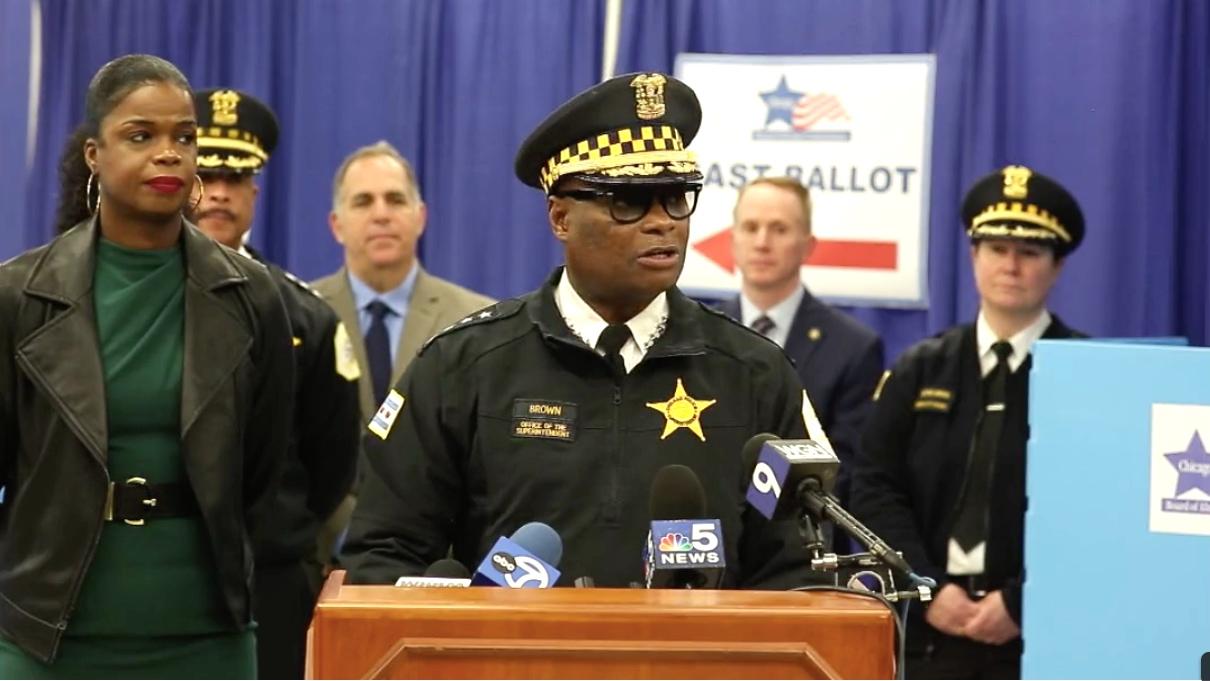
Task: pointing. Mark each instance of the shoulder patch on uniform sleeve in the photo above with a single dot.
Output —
(346, 359)
(810, 421)
(301, 284)
(492, 313)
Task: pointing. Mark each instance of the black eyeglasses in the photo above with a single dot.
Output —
(630, 204)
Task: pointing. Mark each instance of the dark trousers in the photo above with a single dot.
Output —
(284, 600)
(950, 657)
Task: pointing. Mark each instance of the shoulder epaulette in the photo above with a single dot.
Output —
(719, 313)
(492, 313)
(301, 284)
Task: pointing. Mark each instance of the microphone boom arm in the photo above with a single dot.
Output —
(822, 505)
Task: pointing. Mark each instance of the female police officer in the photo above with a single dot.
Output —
(941, 475)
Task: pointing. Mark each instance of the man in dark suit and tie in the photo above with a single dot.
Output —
(838, 358)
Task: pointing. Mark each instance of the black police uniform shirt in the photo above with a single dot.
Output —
(915, 450)
(324, 444)
(509, 417)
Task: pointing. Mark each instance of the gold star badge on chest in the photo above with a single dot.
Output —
(682, 411)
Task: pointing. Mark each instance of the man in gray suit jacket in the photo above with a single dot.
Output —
(386, 300)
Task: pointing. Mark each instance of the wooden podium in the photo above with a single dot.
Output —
(378, 632)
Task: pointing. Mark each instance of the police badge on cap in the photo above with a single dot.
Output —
(236, 132)
(1018, 203)
(629, 129)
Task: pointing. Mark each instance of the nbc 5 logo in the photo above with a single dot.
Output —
(686, 543)
(704, 536)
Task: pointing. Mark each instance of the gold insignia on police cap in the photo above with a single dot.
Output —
(1016, 181)
(648, 95)
(682, 411)
(632, 127)
(346, 361)
(1015, 202)
(224, 104)
(235, 131)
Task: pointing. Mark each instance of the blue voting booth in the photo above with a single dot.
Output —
(1117, 535)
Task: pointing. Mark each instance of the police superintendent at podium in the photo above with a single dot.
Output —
(560, 406)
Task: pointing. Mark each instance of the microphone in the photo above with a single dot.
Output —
(527, 560)
(683, 549)
(446, 572)
(795, 476)
(779, 465)
(542, 540)
(448, 568)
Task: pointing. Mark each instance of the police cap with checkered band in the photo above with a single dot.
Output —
(629, 129)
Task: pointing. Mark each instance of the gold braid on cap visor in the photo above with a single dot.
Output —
(987, 223)
(641, 151)
(252, 155)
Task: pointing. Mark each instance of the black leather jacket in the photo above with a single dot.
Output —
(235, 420)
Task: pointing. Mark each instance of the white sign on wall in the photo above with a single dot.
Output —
(1180, 469)
(855, 130)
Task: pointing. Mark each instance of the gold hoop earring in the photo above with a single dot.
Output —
(92, 210)
(201, 193)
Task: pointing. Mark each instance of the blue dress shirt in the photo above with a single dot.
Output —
(397, 299)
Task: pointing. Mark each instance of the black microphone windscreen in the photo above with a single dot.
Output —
(677, 494)
(751, 452)
(448, 568)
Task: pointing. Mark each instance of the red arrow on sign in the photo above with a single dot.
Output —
(870, 255)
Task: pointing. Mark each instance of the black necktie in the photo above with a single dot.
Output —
(378, 349)
(970, 527)
(762, 325)
(611, 341)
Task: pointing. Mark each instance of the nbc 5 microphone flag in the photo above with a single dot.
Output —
(685, 544)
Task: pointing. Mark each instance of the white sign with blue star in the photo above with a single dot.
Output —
(856, 131)
(1180, 469)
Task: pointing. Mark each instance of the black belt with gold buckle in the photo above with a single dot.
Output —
(136, 501)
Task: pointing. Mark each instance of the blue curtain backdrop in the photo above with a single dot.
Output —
(454, 85)
(1109, 96)
(14, 115)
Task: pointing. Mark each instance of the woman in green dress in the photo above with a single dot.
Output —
(145, 382)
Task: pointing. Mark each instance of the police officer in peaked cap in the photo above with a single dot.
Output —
(237, 133)
(561, 405)
(942, 471)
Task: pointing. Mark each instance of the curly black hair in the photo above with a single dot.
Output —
(74, 205)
